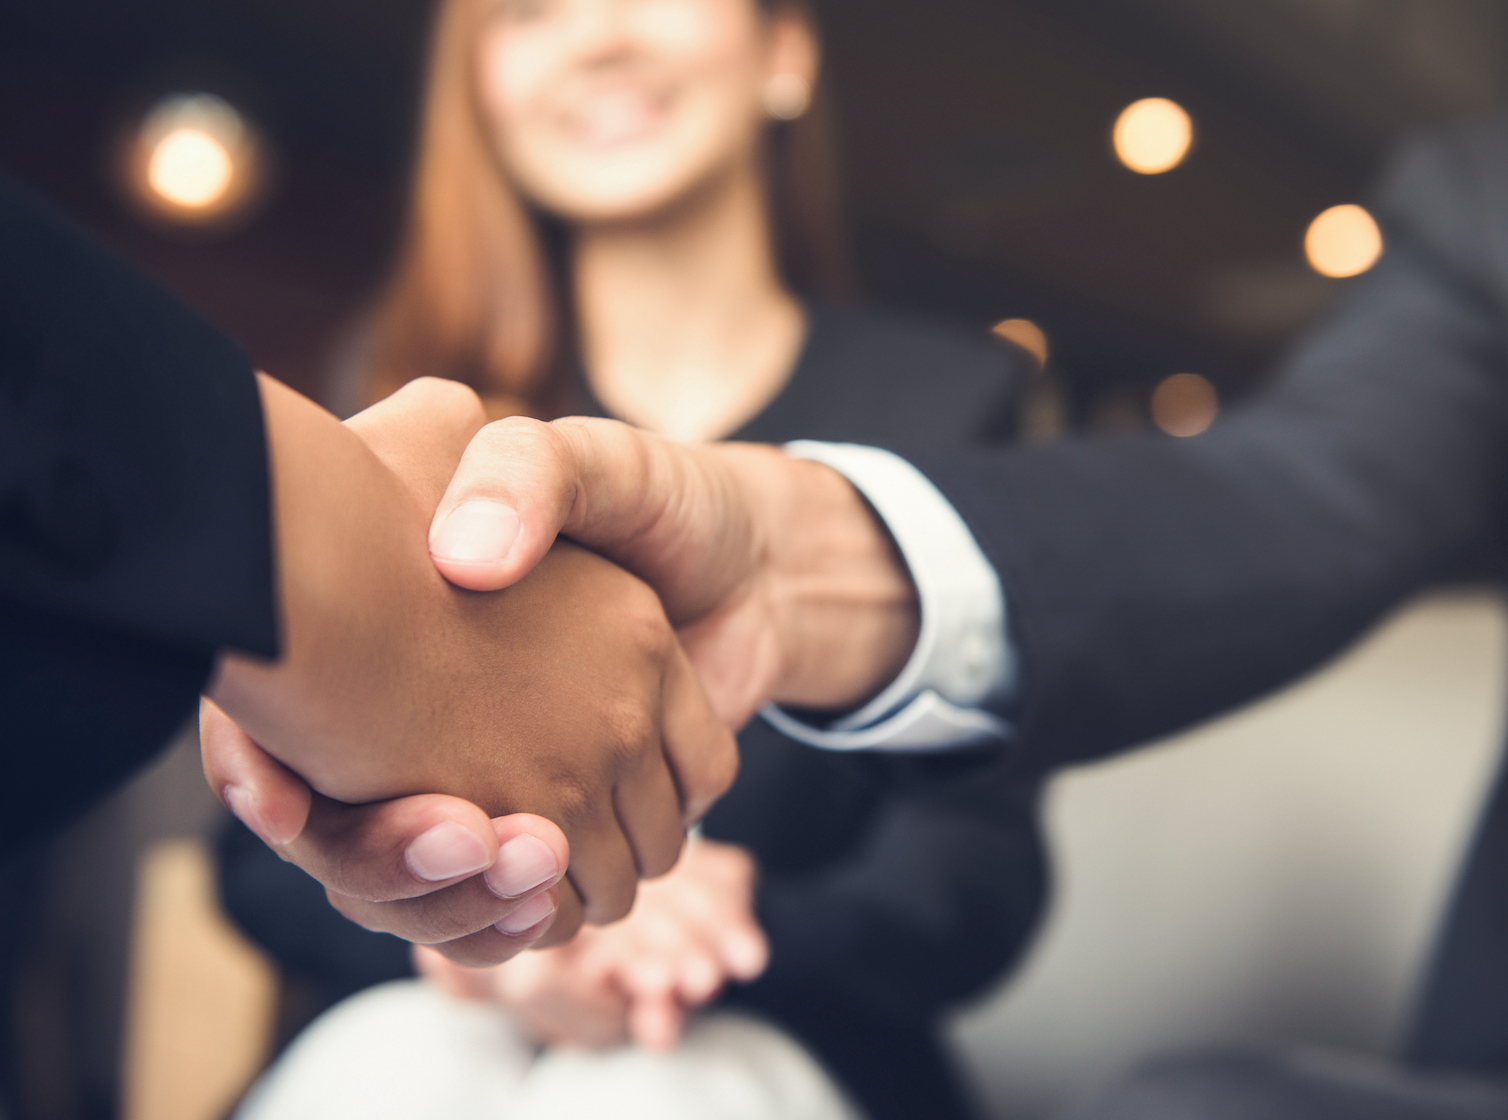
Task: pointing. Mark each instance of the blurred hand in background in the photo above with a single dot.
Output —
(637, 980)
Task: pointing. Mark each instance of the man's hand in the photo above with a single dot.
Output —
(409, 866)
(568, 696)
(781, 581)
(689, 934)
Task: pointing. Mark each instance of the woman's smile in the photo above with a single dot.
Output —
(619, 114)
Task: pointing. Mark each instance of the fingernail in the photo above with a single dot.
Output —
(445, 851)
(475, 532)
(243, 805)
(527, 916)
(522, 864)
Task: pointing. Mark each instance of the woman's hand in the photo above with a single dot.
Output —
(689, 933)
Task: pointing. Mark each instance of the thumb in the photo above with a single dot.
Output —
(509, 497)
(652, 506)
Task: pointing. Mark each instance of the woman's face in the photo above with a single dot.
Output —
(613, 110)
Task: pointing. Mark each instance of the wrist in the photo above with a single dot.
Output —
(842, 606)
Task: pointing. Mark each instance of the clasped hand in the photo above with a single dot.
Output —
(566, 696)
(563, 710)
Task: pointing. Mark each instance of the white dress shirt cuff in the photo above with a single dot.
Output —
(962, 658)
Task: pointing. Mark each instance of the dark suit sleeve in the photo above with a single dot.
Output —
(134, 515)
(1153, 582)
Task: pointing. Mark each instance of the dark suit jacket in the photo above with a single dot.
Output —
(134, 518)
(892, 887)
(1153, 582)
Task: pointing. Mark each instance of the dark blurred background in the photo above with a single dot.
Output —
(981, 184)
(974, 134)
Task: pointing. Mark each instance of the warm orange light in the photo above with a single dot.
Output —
(1025, 334)
(1184, 404)
(1343, 241)
(193, 160)
(1153, 135)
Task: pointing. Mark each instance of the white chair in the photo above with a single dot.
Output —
(1273, 877)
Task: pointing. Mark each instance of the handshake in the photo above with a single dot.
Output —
(514, 654)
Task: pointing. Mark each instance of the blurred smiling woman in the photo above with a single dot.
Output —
(599, 189)
(627, 208)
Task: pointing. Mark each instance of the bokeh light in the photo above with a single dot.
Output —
(1343, 241)
(190, 168)
(194, 160)
(1025, 334)
(1153, 135)
(1184, 404)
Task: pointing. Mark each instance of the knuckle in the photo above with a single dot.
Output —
(450, 396)
(533, 449)
(576, 801)
(589, 439)
(465, 405)
(634, 732)
(448, 402)
(576, 432)
(643, 623)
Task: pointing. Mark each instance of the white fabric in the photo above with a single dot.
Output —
(962, 658)
(927, 723)
(406, 1051)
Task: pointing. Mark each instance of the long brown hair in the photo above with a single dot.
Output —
(478, 293)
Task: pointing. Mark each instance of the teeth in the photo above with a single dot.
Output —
(616, 116)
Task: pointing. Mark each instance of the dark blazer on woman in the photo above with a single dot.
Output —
(893, 886)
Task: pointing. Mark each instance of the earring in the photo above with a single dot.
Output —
(787, 96)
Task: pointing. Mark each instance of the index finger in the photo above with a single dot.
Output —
(701, 750)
